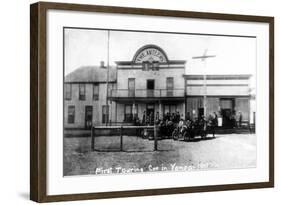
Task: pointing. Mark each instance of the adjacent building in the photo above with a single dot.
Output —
(85, 96)
(227, 95)
(150, 84)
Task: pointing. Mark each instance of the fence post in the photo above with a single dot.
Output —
(121, 139)
(155, 137)
(93, 138)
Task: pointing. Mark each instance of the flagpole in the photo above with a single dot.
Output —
(107, 78)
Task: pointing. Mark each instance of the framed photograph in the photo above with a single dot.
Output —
(135, 102)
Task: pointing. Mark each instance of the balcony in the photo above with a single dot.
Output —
(145, 93)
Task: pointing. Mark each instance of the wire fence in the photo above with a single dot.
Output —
(120, 131)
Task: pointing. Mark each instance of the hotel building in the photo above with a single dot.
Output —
(153, 84)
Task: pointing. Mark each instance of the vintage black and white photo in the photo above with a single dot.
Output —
(148, 101)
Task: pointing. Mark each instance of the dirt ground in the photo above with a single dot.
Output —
(222, 152)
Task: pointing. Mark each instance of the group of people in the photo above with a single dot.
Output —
(150, 119)
(174, 123)
(234, 121)
(200, 126)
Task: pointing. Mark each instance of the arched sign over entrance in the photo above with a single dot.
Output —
(150, 53)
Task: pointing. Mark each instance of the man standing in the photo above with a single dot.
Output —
(214, 123)
(157, 117)
(216, 119)
(178, 117)
(240, 119)
(144, 118)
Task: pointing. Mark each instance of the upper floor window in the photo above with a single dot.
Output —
(131, 87)
(82, 92)
(150, 65)
(95, 91)
(145, 66)
(170, 86)
(155, 65)
(68, 91)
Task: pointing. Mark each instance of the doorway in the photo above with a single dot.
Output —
(226, 118)
(150, 85)
(200, 112)
(150, 113)
(227, 112)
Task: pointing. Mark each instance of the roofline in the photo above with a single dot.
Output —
(172, 62)
(220, 96)
(88, 82)
(217, 77)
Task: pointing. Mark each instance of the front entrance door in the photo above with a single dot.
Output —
(226, 118)
(88, 117)
(227, 107)
(200, 112)
(150, 88)
(150, 113)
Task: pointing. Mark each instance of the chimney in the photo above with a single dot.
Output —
(102, 64)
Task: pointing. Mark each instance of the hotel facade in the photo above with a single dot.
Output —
(151, 84)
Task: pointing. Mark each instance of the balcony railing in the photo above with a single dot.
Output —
(146, 93)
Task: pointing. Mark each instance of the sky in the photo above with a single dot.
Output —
(233, 55)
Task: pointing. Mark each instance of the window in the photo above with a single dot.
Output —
(82, 92)
(130, 112)
(226, 103)
(150, 85)
(68, 91)
(95, 91)
(150, 65)
(170, 108)
(170, 86)
(170, 83)
(105, 111)
(128, 117)
(155, 65)
(145, 66)
(166, 109)
(71, 114)
(131, 87)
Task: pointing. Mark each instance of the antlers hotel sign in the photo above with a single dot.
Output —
(150, 53)
(150, 58)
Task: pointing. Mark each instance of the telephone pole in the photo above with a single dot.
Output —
(107, 79)
(203, 59)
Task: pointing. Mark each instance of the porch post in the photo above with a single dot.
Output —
(134, 110)
(115, 112)
(185, 100)
(160, 109)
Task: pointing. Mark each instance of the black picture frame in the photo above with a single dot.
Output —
(38, 103)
